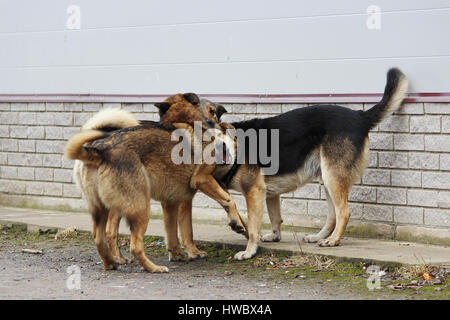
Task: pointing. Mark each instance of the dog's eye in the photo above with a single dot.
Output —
(212, 112)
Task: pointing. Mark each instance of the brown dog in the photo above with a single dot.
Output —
(122, 170)
(245, 178)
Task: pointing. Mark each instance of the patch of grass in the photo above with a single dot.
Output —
(154, 246)
(367, 231)
(17, 235)
(408, 237)
(219, 253)
(33, 205)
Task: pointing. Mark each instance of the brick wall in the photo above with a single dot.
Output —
(405, 187)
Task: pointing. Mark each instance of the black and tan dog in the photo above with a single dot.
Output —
(326, 141)
(123, 169)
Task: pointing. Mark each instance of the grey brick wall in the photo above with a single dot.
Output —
(407, 181)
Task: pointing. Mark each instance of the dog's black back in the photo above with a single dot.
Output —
(304, 129)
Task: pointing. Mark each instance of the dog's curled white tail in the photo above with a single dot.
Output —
(75, 150)
(106, 120)
(110, 118)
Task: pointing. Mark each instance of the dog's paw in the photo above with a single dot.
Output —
(311, 238)
(271, 237)
(244, 255)
(122, 260)
(110, 266)
(176, 254)
(176, 257)
(329, 242)
(236, 226)
(198, 254)
(160, 269)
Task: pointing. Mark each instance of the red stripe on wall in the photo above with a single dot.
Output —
(440, 97)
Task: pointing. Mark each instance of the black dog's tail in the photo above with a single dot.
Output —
(394, 93)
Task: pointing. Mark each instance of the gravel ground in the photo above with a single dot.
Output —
(31, 276)
(44, 276)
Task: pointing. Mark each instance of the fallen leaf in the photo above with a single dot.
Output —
(426, 276)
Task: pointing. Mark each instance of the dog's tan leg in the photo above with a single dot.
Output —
(112, 231)
(273, 207)
(342, 217)
(337, 179)
(255, 208)
(209, 186)
(99, 219)
(329, 224)
(187, 238)
(340, 166)
(138, 225)
(170, 211)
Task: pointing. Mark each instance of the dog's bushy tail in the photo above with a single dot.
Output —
(75, 150)
(394, 93)
(110, 120)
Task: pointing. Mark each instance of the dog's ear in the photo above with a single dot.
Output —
(220, 110)
(163, 107)
(192, 98)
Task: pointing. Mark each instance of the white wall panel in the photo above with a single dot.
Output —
(315, 77)
(233, 47)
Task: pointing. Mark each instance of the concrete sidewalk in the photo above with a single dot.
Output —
(350, 248)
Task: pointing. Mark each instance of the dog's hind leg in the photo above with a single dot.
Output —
(339, 195)
(273, 207)
(342, 163)
(99, 219)
(170, 211)
(112, 231)
(187, 238)
(329, 224)
(138, 225)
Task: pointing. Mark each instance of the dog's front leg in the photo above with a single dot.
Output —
(170, 211)
(209, 186)
(187, 237)
(255, 208)
(273, 208)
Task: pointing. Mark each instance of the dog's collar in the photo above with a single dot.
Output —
(225, 181)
